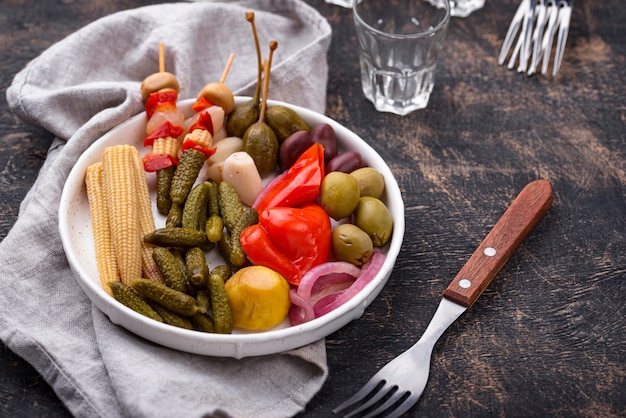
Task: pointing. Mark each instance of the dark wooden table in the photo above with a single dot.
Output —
(548, 337)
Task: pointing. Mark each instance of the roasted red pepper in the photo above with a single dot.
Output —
(154, 162)
(188, 144)
(299, 185)
(161, 101)
(289, 240)
(201, 104)
(205, 121)
(163, 131)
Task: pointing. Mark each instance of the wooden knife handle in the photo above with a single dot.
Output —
(499, 245)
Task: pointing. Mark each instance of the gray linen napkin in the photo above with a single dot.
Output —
(80, 88)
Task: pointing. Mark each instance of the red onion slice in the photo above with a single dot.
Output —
(330, 285)
(368, 272)
(333, 267)
(301, 310)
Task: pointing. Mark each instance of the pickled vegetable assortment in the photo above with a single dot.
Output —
(298, 223)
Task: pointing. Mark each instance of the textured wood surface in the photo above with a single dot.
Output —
(547, 337)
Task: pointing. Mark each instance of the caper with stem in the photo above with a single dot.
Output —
(259, 140)
(246, 113)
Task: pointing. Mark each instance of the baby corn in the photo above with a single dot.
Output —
(120, 189)
(165, 146)
(200, 137)
(146, 219)
(105, 253)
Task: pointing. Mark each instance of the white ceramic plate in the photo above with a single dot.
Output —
(76, 235)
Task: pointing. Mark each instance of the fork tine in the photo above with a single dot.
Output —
(371, 385)
(535, 25)
(548, 37)
(527, 34)
(395, 397)
(385, 390)
(516, 51)
(403, 407)
(512, 31)
(540, 20)
(565, 13)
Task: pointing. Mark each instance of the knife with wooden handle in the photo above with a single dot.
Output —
(496, 249)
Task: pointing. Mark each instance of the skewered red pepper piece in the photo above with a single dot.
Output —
(201, 104)
(161, 101)
(166, 129)
(154, 162)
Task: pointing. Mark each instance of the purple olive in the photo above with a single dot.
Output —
(292, 148)
(324, 134)
(346, 162)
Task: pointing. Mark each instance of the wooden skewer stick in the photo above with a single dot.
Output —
(161, 57)
(227, 69)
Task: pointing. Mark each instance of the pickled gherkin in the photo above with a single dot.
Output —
(229, 245)
(231, 207)
(223, 271)
(178, 302)
(164, 182)
(214, 228)
(178, 237)
(174, 216)
(190, 164)
(180, 259)
(195, 209)
(202, 322)
(203, 300)
(222, 315)
(170, 268)
(128, 297)
(197, 267)
(170, 317)
(213, 206)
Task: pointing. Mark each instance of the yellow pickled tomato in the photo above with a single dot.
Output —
(259, 298)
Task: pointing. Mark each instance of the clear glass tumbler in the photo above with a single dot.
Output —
(458, 8)
(461, 8)
(399, 42)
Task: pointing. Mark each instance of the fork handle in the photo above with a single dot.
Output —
(496, 249)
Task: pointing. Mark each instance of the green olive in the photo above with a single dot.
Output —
(339, 194)
(373, 217)
(350, 243)
(371, 181)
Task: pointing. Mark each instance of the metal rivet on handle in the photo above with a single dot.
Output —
(464, 283)
(490, 251)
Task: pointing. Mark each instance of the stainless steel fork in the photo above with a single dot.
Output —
(399, 385)
(537, 22)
